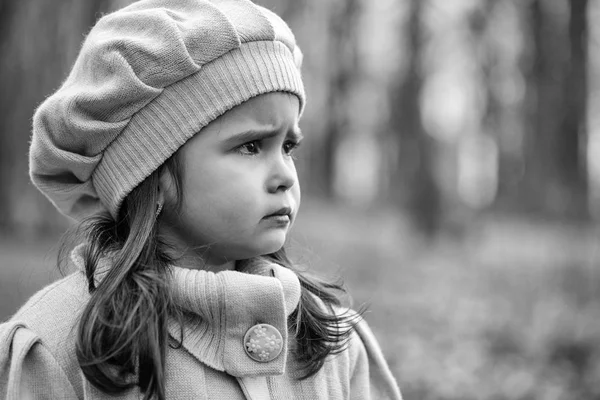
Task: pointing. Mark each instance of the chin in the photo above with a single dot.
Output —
(270, 249)
(257, 246)
(271, 245)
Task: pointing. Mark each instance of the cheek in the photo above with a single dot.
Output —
(237, 209)
(295, 189)
(220, 194)
(296, 193)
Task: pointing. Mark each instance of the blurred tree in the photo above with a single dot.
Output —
(555, 177)
(343, 72)
(6, 11)
(38, 40)
(573, 135)
(499, 80)
(414, 187)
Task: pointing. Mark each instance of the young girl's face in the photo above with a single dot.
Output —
(240, 191)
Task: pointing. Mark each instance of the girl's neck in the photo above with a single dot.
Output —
(190, 259)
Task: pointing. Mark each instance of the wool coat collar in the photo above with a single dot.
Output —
(219, 308)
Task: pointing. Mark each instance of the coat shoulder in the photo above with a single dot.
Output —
(54, 309)
(49, 318)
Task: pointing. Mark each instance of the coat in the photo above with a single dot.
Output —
(218, 358)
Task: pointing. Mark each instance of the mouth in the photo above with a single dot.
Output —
(284, 213)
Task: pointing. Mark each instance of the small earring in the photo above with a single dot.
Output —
(159, 209)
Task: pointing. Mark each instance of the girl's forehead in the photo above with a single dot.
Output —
(267, 106)
(277, 111)
(273, 110)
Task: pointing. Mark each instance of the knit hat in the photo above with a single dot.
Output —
(149, 77)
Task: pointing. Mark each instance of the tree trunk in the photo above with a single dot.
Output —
(39, 41)
(554, 183)
(342, 58)
(572, 138)
(6, 19)
(414, 186)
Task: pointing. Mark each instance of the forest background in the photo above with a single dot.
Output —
(451, 175)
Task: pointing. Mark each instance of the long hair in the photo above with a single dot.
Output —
(122, 336)
(320, 329)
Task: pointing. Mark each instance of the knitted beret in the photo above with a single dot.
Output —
(147, 78)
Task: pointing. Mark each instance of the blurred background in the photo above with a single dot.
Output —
(450, 174)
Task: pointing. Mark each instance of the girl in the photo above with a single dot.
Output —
(172, 141)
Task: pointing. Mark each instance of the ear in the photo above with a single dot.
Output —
(166, 187)
(161, 195)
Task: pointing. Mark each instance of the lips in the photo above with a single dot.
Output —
(284, 211)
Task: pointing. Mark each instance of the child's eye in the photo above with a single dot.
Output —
(289, 147)
(250, 148)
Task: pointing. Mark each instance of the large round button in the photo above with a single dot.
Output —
(263, 342)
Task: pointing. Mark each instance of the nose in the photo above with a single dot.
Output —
(282, 174)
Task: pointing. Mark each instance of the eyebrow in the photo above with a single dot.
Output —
(262, 134)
